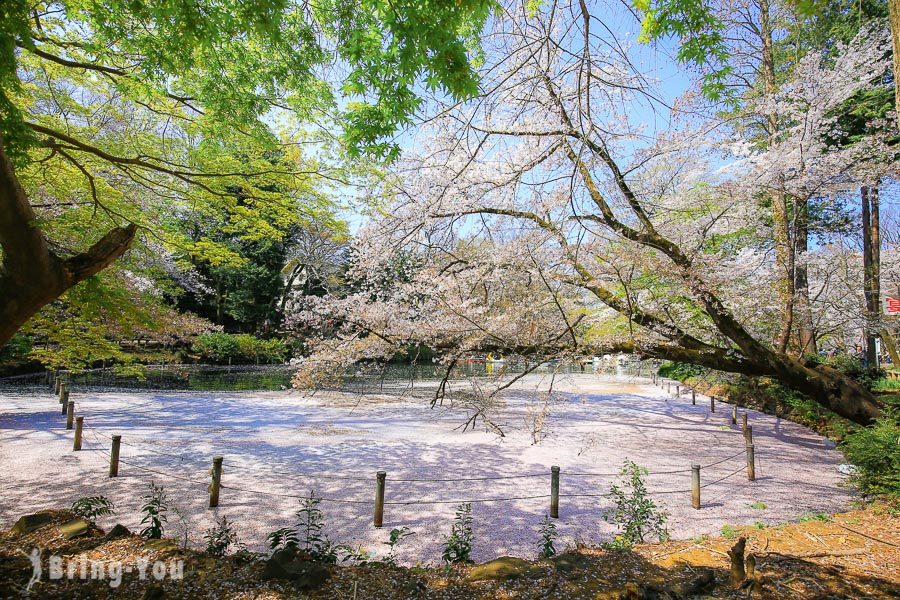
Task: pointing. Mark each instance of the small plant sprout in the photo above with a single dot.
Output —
(220, 538)
(815, 517)
(156, 505)
(548, 537)
(758, 505)
(634, 512)
(729, 532)
(93, 507)
(397, 535)
(458, 545)
(282, 539)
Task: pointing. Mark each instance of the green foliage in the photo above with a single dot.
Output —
(93, 507)
(17, 348)
(240, 348)
(758, 505)
(807, 517)
(678, 370)
(283, 538)
(155, 507)
(397, 535)
(634, 512)
(220, 538)
(308, 535)
(729, 532)
(548, 537)
(875, 452)
(701, 36)
(458, 545)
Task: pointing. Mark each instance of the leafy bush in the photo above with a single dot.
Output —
(634, 512)
(308, 535)
(729, 532)
(156, 505)
(17, 348)
(679, 371)
(458, 545)
(92, 507)
(875, 452)
(241, 348)
(548, 536)
(220, 538)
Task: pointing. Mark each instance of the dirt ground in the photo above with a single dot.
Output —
(849, 555)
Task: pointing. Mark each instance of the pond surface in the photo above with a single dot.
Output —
(372, 378)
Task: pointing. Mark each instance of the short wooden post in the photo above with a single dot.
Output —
(678, 391)
(748, 434)
(694, 397)
(751, 463)
(669, 388)
(734, 415)
(695, 486)
(380, 476)
(114, 456)
(554, 492)
(70, 414)
(712, 404)
(216, 482)
(64, 398)
(744, 423)
(79, 426)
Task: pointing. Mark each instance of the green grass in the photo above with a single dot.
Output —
(729, 532)
(814, 517)
(758, 505)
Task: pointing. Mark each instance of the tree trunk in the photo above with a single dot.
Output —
(784, 252)
(806, 331)
(894, 13)
(31, 274)
(871, 269)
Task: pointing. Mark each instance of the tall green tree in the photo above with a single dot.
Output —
(115, 114)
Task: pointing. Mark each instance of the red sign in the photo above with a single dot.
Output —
(891, 306)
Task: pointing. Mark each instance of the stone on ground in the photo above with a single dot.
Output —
(28, 523)
(288, 564)
(74, 528)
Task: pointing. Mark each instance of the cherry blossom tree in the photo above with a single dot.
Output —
(547, 221)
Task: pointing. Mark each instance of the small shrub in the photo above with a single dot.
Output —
(308, 535)
(548, 537)
(397, 535)
(815, 517)
(92, 507)
(758, 505)
(679, 371)
(458, 545)
(634, 512)
(875, 452)
(156, 505)
(220, 538)
(759, 525)
(240, 348)
(729, 532)
(283, 538)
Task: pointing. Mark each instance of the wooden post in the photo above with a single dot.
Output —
(216, 482)
(694, 397)
(678, 391)
(734, 415)
(114, 456)
(695, 486)
(64, 398)
(554, 492)
(751, 463)
(79, 426)
(669, 388)
(70, 414)
(380, 476)
(748, 434)
(744, 423)
(712, 404)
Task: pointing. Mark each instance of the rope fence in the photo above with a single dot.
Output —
(216, 485)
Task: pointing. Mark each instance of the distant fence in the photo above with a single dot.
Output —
(552, 478)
